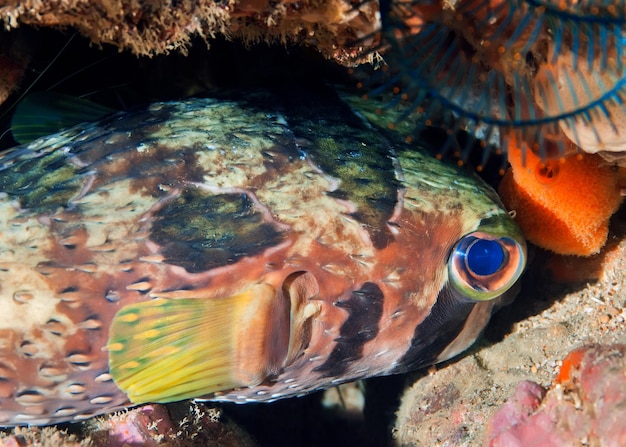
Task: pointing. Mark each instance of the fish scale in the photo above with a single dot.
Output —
(231, 250)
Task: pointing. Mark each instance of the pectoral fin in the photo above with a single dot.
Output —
(165, 350)
(44, 113)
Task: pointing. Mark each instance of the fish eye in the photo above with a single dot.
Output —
(484, 266)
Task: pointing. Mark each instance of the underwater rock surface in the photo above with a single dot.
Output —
(158, 27)
(148, 426)
(586, 404)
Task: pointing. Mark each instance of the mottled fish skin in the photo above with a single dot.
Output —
(206, 198)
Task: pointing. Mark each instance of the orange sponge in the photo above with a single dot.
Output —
(562, 205)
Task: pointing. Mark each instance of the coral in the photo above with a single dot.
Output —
(525, 400)
(42, 437)
(562, 205)
(531, 68)
(153, 27)
(579, 81)
(587, 403)
(181, 425)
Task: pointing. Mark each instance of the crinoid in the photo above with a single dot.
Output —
(543, 71)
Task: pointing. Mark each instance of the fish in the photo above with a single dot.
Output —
(236, 249)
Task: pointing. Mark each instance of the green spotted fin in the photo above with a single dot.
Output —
(43, 113)
(166, 350)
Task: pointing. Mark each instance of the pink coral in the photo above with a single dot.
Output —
(587, 403)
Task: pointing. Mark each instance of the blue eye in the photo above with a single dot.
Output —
(484, 257)
(483, 266)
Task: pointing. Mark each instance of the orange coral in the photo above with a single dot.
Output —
(562, 205)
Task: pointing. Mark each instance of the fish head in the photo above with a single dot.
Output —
(454, 256)
(381, 305)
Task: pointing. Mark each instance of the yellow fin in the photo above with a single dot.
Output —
(165, 350)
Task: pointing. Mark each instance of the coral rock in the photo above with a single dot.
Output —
(176, 425)
(156, 27)
(587, 404)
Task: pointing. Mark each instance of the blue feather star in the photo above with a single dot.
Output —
(532, 69)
